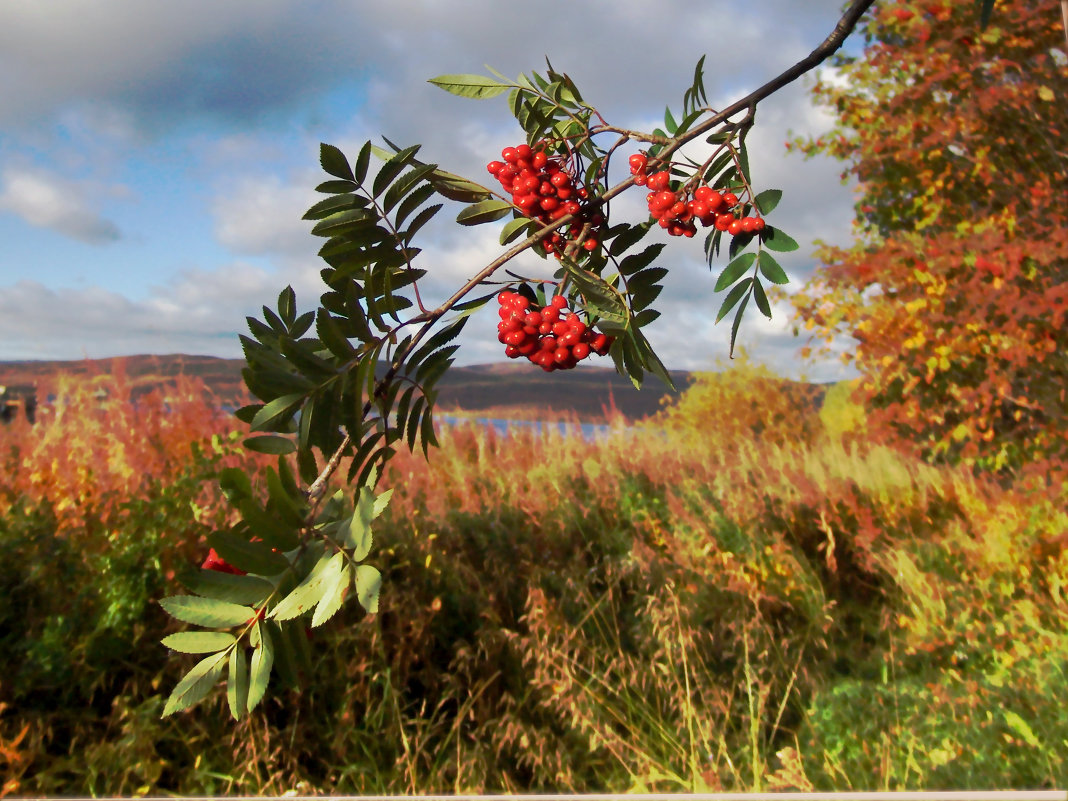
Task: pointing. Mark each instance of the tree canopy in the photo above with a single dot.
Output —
(954, 288)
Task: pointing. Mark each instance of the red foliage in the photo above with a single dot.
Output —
(955, 290)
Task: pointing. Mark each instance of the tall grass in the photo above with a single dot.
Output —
(722, 605)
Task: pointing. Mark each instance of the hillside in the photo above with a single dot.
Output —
(506, 389)
(500, 390)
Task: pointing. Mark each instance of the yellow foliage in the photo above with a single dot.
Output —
(743, 402)
(840, 415)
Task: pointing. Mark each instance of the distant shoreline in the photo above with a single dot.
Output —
(505, 390)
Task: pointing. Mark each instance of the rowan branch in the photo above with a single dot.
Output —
(828, 47)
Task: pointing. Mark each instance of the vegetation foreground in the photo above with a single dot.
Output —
(744, 598)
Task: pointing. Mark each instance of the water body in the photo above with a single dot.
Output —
(588, 431)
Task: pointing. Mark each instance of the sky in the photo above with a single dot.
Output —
(156, 158)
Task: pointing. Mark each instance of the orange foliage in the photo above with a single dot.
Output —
(94, 445)
(955, 290)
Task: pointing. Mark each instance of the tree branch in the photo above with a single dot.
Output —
(828, 47)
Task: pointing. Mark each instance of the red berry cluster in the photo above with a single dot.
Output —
(552, 338)
(220, 565)
(638, 164)
(677, 215)
(543, 189)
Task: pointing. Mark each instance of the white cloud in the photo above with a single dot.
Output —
(47, 201)
(199, 311)
(128, 67)
(256, 215)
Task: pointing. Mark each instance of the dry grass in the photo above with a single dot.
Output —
(687, 608)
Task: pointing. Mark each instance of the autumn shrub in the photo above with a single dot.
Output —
(841, 416)
(96, 445)
(743, 402)
(101, 500)
(965, 692)
(766, 616)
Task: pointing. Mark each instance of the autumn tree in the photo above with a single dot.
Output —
(954, 288)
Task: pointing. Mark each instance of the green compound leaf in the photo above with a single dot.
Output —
(466, 85)
(363, 160)
(252, 557)
(456, 188)
(767, 200)
(743, 163)
(262, 662)
(669, 121)
(368, 587)
(738, 322)
(484, 212)
(771, 269)
(205, 611)
(285, 498)
(381, 502)
(358, 534)
(393, 167)
(235, 484)
(269, 527)
(334, 162)
(335, 187)
(774, 239)
(334, 205)
(733, 297)
(601, 297)
(513, 229)
(636, 261)
(196, 684)
(733, 271)
(276, 446)
(199, 642)
(277, 411)
(405, 184)
(626, 237)
(247, 590)
(309, 592)
(761, 299)
(333, 597)
(237, 684)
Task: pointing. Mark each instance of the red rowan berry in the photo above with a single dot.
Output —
(659, 181)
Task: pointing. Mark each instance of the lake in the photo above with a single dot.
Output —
(589, 431)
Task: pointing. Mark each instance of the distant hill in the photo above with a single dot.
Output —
(508, 390)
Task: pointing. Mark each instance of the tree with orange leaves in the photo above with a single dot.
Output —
(955, 288)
